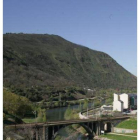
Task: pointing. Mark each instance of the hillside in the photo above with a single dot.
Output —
(34, 64)
(15, 107)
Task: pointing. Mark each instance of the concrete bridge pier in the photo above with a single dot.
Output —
(92, 127)
(37, 134)
(112, 126)
(108, 126)
(45, 133)
(98, 128)
(53, 136)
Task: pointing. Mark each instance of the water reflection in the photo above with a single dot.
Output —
(57, 114)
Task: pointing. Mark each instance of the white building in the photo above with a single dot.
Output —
(124, 101)
(125, 98)
(117, 103)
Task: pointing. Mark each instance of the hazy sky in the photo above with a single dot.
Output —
(105, 25)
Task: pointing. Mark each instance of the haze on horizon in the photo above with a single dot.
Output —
(107, 26)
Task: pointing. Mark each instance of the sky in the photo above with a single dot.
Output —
(109, 26)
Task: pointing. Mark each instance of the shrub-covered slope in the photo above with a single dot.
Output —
(35, 62)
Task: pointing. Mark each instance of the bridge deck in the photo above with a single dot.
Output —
(68, 122)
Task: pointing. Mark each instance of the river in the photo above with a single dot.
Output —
(57, 114)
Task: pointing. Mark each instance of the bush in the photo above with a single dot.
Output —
(15, 104)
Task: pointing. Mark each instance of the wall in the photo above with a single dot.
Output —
(117, 106)
(82, 116)
(116, 97)
(125, 98)
(122, 130)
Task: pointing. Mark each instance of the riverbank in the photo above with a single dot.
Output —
(72, 132)
(58, 104)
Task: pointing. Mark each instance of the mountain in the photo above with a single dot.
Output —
(34, 63)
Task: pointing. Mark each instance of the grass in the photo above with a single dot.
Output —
(33, 120)
(128, 124)
(27, 120)
(118, 137)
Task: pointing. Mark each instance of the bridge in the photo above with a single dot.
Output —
(49, 130)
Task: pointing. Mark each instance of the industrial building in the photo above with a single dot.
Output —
(124, 101)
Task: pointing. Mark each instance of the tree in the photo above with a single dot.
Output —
(80, 106)
(85, 104)
(15, 104)
(44, 116)
(68, 113)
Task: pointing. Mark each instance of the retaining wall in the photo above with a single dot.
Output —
(123, 130)
(82, 116)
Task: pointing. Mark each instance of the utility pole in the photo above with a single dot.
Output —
(100, 113)
(87, 111)
(93, 109)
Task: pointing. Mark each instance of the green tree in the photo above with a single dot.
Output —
(80, 106)
(68, 113)
(85, 104)
(15, 104)
(44, 116)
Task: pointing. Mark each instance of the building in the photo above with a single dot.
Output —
(125, 98)
(117, 103)
(123, 101)
(133, 99)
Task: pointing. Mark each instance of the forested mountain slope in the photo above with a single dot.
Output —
(34, 63)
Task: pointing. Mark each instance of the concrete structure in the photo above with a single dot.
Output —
(124, 101)
(82, 116)
(116, 97)
(125, 98)
(117, 103)
(106, 107)
(123, 130)
(49, 130)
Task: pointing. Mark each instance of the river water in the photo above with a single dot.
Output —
(57, 114)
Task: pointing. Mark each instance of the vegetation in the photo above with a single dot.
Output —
(85, 104)
(128, 124)
(19, 108)
(15, 105)
(49, 67)
(118, 137)
(41, 117)
(71, 114)
(97, 103)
